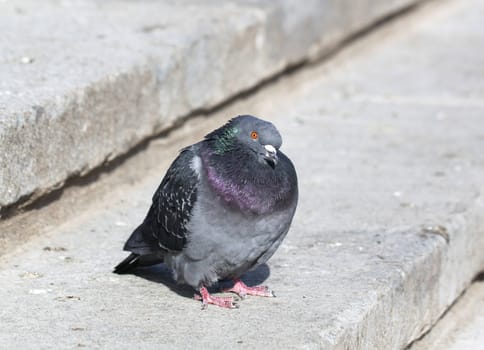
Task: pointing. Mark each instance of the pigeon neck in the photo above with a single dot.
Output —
(236, 179)
(223, 140)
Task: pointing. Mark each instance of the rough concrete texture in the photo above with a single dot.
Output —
(387, 139)
(461, 327)
(84, 81)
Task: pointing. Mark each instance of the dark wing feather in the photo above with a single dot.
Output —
(173, 202)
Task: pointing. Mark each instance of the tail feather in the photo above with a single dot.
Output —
(125, 266)
(135, 260)
(140, 244)
(142, 240)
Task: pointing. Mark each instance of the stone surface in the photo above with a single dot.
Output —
(461, 327)
(85, 81)
(387, 138)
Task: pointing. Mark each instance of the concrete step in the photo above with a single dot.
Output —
(85, 81)
(387, 139)
(461, 326)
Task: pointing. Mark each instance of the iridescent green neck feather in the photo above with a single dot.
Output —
(225, 140)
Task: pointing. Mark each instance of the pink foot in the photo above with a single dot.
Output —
(206, 298)
(241, 289)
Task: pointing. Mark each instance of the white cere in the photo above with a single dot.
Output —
(270, 149)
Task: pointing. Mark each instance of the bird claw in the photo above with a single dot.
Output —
(242, 290)
(239, 288)
(206, 298)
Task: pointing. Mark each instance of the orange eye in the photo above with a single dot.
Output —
(254, 135)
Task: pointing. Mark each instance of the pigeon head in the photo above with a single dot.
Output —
(253, 134)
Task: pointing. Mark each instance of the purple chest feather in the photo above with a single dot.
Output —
(244, 195)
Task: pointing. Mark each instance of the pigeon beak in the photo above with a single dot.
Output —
(271, 155)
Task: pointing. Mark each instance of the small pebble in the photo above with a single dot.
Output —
(26, 60)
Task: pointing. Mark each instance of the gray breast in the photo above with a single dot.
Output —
(224, 242)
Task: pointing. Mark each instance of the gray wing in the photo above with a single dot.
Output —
(173, 202)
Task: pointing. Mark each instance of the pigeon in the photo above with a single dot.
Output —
(223, 208)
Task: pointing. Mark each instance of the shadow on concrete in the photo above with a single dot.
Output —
(162, 274)
(479, 277)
